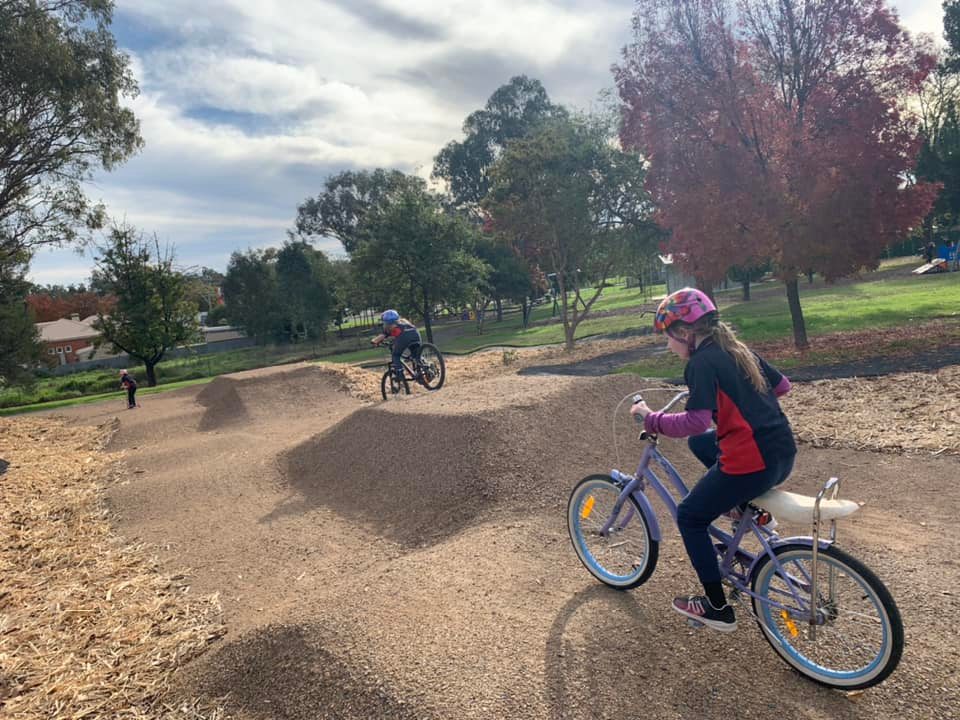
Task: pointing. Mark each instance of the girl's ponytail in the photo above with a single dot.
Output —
(724, 336)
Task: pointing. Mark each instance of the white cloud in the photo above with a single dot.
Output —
(249, 84)
(59, 268)
(922, 16)
(247, 105)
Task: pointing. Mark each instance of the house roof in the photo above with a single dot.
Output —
(221, 333)
(63, 329)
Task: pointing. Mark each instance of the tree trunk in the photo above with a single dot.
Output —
(481, 310)
(426, 318)
(499, 302)
(525, 308)
(707, 289)
(810, 277)
(151, 373)
(796, 314)
(568, 327)
(746, 289)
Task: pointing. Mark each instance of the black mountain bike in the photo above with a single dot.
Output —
(422, 364)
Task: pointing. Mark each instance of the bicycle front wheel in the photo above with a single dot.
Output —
(433, 370)
(858, 637)
(626, 555)
(391, 386)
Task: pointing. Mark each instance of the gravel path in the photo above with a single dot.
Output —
(411, 560)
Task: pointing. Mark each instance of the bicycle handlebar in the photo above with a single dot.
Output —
(676, 398)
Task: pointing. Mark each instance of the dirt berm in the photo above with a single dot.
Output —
(419, 471)
(411, 559)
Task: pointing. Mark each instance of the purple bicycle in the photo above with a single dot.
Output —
(823, 611)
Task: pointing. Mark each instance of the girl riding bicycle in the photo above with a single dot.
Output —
(751, 451)
(403, 332)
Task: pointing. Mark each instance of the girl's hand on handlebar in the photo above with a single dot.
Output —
(641, 409)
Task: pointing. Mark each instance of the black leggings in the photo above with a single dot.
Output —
(131, 396)
(402, 342)
(704, 446)
(716, 493)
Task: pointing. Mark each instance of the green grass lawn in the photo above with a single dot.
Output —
(884, 299)
(177, 371)
(880, 303)
(120, 396)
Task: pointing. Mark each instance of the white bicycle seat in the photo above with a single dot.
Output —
(799, 508)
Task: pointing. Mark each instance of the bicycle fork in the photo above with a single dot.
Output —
(631, 486)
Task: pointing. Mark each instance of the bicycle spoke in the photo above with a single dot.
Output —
(621, 551)
(849, 635)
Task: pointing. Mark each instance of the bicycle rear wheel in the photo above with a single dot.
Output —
(859, 633)
(627, 555)
(433, 370)
(391, 386)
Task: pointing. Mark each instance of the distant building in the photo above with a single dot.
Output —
(68, 340)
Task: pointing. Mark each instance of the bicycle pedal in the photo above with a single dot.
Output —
(695, 624)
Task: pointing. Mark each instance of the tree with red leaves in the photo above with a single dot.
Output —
(48, 306)
(776, 130)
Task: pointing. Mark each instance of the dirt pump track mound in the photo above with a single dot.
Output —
(410, 559)
(419, 472)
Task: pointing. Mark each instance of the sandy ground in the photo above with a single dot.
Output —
(411, 559)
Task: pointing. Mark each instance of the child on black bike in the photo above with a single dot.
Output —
(403, 332)
(751, 451)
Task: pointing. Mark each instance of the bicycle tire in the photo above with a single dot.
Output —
(390, 387)
(578, 511)
(869, 587)
(437, 365)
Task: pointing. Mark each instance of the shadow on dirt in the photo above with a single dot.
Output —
(223, 405)
(584, 631)
(414, 479)
(282, 672)
(604, 628)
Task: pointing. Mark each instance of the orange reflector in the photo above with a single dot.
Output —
(587, 508)
(791, 625)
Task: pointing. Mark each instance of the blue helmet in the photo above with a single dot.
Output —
(390, 316)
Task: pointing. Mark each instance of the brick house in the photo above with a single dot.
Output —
(67, 340)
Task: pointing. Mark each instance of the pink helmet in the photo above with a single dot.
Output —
(686, 305)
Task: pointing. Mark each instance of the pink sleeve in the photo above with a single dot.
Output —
(783, 387)
(691, 422)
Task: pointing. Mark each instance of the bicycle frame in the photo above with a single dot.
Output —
(409, 364)
(736, 564)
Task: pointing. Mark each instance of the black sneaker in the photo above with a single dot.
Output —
(699, 609)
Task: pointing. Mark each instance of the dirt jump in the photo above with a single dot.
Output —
(411, 560)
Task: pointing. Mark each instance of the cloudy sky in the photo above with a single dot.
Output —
(246, 106)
